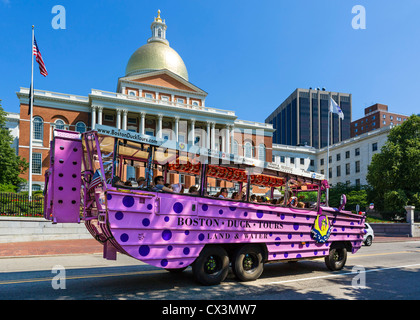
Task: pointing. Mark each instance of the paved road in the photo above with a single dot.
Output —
(384, 271)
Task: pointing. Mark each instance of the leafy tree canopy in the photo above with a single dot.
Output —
(11, 165)
(394, 173)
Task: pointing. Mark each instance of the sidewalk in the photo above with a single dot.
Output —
(52, 247)
(90, 246)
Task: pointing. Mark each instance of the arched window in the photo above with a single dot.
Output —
(80, 127)
(261, 152)
(38, 133)
(248, 150)
(235, 147)
(59, 124)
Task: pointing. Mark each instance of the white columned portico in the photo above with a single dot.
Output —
(93, 117)
(213, 136)
(142, 121)
(118, 118)
(159, 126)
(100, 109)
(192, 131)
(208, 135)
(227, 139)
(232, 138)
(176, 129)
(124, 121)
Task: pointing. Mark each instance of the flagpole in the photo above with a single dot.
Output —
(328, 149)
(31, 115)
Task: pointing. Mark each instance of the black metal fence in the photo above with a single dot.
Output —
(18, 205)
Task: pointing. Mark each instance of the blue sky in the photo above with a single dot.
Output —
(248, 55)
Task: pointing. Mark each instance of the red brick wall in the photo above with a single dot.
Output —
(49, 115)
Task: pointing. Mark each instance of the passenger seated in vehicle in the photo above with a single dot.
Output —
(253, 198)
(293, 202)
(301, 204)
(193, 190)
(117, 182)
(223, 194)
(141, 182)
(238, 196)
(160, 185)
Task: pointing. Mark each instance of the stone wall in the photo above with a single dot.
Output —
(396, 229)
(17, 229)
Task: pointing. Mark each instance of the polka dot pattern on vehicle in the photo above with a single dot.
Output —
(128, 201)
(172, 235)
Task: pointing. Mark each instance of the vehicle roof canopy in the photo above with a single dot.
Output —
(172, 152)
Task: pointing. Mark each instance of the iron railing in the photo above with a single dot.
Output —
(19, 205)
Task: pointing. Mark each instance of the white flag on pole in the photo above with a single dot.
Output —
(335, 108)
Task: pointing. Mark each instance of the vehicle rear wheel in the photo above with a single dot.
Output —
(336, 259)
(368, 241)
(247, 264)
(212, 265)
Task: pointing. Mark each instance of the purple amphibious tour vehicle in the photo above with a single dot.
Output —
(174, 230)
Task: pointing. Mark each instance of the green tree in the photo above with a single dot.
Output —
(394, 173)
(356, 195)
(11, 165)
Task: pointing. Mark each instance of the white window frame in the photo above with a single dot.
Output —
(165, 98)
(261, 152)
(235, 147)
(248, 149)
(41, 131)
(64, 125)
(80, 123)
(132, 93)
(36, 156)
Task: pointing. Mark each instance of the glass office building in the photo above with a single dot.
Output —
(302, 119)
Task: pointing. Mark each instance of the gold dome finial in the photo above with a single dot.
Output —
(158, 19)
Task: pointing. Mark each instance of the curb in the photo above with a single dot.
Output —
(91, 246)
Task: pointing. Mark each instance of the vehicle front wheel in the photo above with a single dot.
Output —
(212, 266)
(247, 264)
(368, 241)
(336, 259)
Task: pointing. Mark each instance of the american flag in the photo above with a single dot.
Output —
(37, 53)
(96, 180)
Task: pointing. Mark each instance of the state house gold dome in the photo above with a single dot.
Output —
(156, 54)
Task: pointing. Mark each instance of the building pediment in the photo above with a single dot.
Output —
(162, 79)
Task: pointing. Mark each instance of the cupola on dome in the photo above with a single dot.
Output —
(156, 54)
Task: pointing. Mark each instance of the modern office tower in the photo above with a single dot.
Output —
(302, 119)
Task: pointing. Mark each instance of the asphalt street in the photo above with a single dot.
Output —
(384, 271)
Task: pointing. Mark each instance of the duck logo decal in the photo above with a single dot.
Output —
(321, 230)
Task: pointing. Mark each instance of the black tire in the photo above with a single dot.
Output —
(336, 259)
(247, 264)
(212, 266)
(368, 241)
